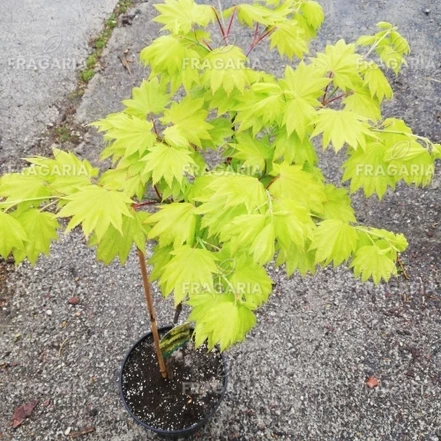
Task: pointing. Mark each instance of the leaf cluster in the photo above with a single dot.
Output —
(217, 224)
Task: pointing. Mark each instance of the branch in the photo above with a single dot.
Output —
(152, 313)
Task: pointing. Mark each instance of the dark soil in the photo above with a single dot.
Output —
(193, 392)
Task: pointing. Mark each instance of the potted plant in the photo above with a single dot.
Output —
(214, 162)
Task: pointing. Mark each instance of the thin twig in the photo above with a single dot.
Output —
(330, 75)
(62, 346)
(255, 43)
(125, 63)
(219, 22)
(157, 192)
(343, 95)
(82, 432)
(403, 269)
(142, 204)
(231, 21)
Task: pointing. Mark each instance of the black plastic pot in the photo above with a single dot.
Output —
(184, 433)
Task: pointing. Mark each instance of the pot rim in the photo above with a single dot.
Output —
(171, 433)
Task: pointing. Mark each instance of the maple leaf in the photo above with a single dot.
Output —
(66, 173)
(150, 97)
(225, 68)
(190, 271)
(292, 223)
(334, 241)
(242, 230)
(230, 191)
(263, 246)
(297, 259)
(189, 122)
(362, 103)
(342, 61)
(96, 208)
(338, 205)
(292, 182)
(294, 150)
(128, 133)
(251, 151)
(306, 81)
(168, 163)
(313, 13)
(220, 319)
(12, 235)
(171, 57)
(368, 170)
(251, 14)
(374, 261)
(16, 187)
(119, 244)
(260, 105)
(41, 229)
(289, 39)
(378, 84)
(250, 282)
(180, 16)
(340, 127)
(174, 223)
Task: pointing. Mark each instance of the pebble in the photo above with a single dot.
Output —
(261, 425)
(67, 431)
(49, 312)
(427, 11)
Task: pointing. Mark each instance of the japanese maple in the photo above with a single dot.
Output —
(224, 157)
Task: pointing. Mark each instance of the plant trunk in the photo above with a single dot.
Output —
(152, 314)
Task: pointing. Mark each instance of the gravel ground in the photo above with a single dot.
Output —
(301, 374)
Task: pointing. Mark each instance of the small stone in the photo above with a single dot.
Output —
(74, 300)
(427, 11)
(49, 312)
(261, 425)
(67, 431)
(93, 412)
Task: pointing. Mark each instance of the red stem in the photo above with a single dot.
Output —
(272, 182)
(255, 43)
(326, 90)
(337, 98)
(220, 24)
(142, 204)
(157, 192)
(231, 21)
(206, 44)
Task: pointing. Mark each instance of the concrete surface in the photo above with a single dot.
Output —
(43, 43)
(301, 374)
